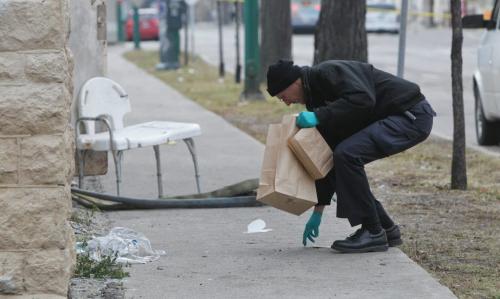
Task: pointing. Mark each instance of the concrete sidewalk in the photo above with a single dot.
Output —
(208, 253)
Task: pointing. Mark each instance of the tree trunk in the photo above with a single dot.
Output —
(276, 29)
(341, 31)
(458, 164)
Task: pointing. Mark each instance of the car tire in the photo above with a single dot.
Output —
(487, 133)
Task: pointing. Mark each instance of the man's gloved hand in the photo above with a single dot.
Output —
(312, 228)
(307, 119)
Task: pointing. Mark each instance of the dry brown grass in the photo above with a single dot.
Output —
(455, 235)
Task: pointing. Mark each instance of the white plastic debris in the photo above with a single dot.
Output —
(257, 226)
(132, 247)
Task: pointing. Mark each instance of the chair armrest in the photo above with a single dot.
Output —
(96, 119)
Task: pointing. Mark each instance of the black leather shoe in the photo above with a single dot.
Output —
(362, 241)
(393, 236)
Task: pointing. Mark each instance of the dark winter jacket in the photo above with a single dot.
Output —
(347, 96)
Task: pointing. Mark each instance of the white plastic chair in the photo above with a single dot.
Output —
(102, 99)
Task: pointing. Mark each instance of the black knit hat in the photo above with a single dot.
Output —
(281, 75)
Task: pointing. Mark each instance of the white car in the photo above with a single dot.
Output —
(382, 17)
(486, 79)
(305, 15)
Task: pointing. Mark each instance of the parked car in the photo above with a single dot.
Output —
(149, 24)
(486, 77)
(382, 17)
(305, 15)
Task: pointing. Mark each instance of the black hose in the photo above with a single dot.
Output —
(91, 204)
(140, 203)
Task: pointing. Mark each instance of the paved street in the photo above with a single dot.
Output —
(427, 63)
(208, 255)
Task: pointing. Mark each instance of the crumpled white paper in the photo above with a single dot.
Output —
(257, 226)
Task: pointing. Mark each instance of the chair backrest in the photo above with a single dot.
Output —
(100, 96)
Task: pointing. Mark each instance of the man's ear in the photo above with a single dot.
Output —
(298, 83)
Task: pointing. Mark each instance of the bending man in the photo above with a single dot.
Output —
(364, 114)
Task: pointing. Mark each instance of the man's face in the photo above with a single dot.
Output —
(293, 94)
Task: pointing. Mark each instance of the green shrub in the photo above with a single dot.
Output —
(106, 268)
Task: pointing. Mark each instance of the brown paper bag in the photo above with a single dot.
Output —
(284, 183)
(312, 151)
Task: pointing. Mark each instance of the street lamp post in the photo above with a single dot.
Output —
(186, 43)
(221, 43)
(137, 33)
(192, 16)
(119, 20)
(402, 38)
(237, 37)
(251, 89)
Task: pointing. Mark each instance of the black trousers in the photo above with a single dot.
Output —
(380, 139)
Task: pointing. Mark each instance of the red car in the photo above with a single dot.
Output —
(149, 24)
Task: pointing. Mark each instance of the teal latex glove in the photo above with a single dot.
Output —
(307, 119)
(312, 228)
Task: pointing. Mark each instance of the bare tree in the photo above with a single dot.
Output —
(341, 31)
(276, 33)
(458, 164)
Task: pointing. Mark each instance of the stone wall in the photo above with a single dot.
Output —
(89, 49)
(36, 149)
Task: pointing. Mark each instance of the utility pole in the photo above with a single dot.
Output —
(237, 37)
(186, 36)
(137, 32)
(222, 71)
(192, 16)
(402, 38)
(119, 20)
(251, 89)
